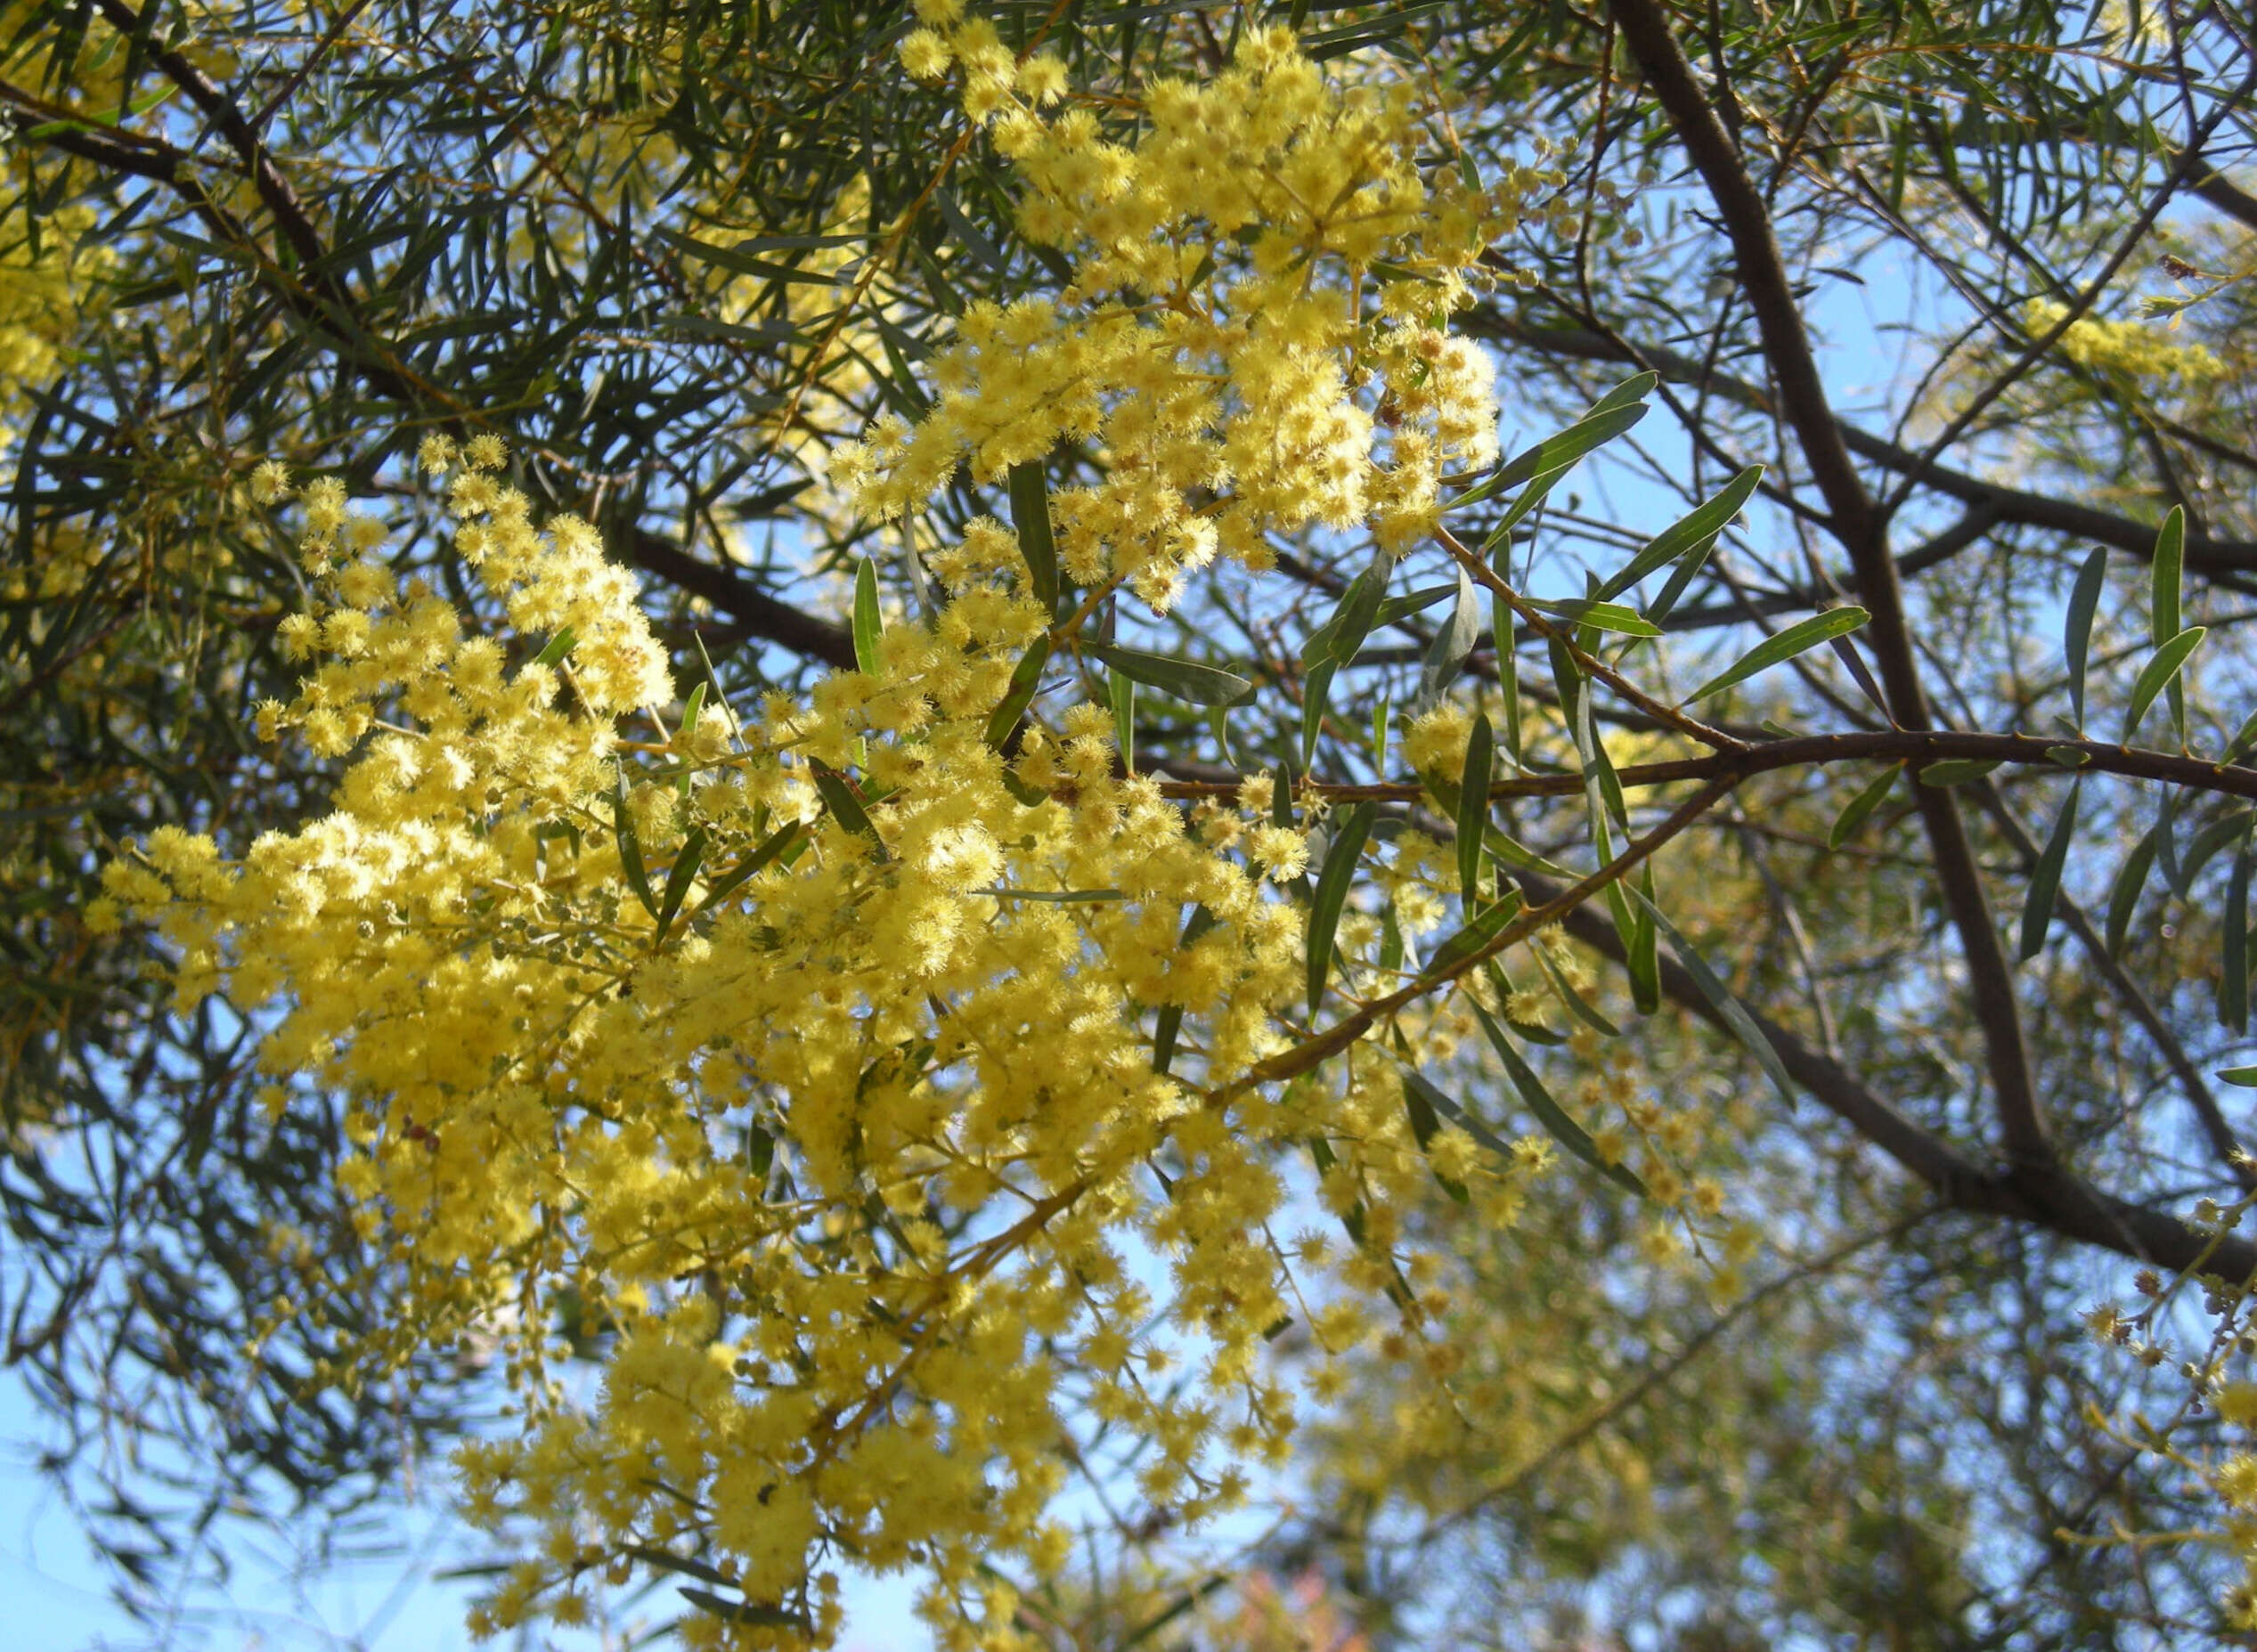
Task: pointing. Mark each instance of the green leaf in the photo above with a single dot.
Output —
(692, 709)
(1547, 1112)
(1578, 1006)
(623, 824)
(2162, 668)
(1187, 679)
(1170, 1019)
(1342, 636)
(557, 648)
(1030, 489)
(1120, 693)
(1799, 638)
(1425, 1122)
(2067, 756)
(1446, 655)
(1735, 1016)
(1606, 616)
(1316, 690)
(1636, 388)
(1696, 533)
(1473, 811)
(1026, 681)
(2167, 857)
(1553, 456)
(737, 261)
(869, 626)
(2045, 881)
(1424, 1102)
(677, 882)
(2163, 579)
(1402, 607)
(2244, 738)
(1957, 770)
(2123, 896)
(2077, 636)
(2164, 608)
(2233, 979)
(1643, 960)
(837, 793)
(1333, 884)
(1503, 633)
(2211, 839)
(1484, 928)
(2246, 1077)
(1860, 809)
(1380, 710)
(1440, 1100)
(774, 844)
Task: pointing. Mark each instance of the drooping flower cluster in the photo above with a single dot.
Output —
(1254, 339)
(808, 1061)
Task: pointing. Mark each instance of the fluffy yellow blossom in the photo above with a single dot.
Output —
(818, 1055)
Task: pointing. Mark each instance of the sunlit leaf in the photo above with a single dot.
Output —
(1187, 679)
(1799, 638)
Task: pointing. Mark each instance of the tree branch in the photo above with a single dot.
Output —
(2044, 1196)
(1863, 532)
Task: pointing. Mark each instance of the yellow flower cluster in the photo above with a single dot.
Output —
(1254, 337)
(808, 1056)
(44, 271)
(2137, 350)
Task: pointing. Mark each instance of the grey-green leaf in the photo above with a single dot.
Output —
(2163, 578)
(1316, 692)
(677, 882)
(2161, 668)
(1333, 884)
(2123, 898)
(2233, 979)
(1555, 453)
(1483, 928)
(1606, 616)
(1735, 1015)
(1473, 810)
(1957, 770)
(2045, 881)
(1170, 1019)
(1187, 679)
(869, 626)
(845, 808)
(1860, 809)
(1697, 532)
(2077, 636)
(1026, 681)
(622, 821)
(1799, 638)
(1446, 655)
(1554, 1118)
(774, 844)
(1120, 693)
(1424, 1102)
(1029, 490)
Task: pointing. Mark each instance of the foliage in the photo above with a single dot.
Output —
(1259, 944)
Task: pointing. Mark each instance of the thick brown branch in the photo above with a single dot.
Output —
(756, 612)
(1863, 530)
(2042, 1196)
(1916, 746)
